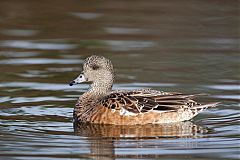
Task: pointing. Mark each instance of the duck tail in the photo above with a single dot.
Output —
(205, 106)
(197, 109)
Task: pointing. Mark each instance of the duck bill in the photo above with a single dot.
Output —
(80, 79)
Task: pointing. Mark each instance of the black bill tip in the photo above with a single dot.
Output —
(72, 83)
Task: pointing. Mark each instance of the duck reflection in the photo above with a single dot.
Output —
(103, 137)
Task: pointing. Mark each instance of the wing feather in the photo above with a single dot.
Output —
(142, 101)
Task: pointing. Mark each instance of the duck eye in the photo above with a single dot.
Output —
(95, 67)
(81, 76)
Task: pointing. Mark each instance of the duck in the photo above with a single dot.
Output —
(103, 105)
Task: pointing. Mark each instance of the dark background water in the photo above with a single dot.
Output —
(185, 46)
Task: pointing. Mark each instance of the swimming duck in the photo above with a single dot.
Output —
(100, 104)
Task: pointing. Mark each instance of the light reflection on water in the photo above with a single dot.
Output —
(19, 32)
(160, 45)
(34, 45)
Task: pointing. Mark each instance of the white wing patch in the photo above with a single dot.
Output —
(124, 112)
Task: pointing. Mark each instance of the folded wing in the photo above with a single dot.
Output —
(142, 101)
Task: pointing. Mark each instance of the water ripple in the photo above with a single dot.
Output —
(36, 45)
(86, 15)
(41, 86)
(20, 61)
(38, 99)
(224, 87)
(18, 54)
(115, 30)
(120, 45)
(19, 32)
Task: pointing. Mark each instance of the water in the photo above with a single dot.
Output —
(183, 46)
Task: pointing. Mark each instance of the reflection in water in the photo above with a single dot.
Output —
(177, 130)
(103, 137)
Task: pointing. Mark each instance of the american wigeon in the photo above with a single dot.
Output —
(100, 104)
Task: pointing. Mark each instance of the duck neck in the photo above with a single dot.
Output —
(101, 87)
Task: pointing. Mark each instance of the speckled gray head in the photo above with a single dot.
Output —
(97, 70)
